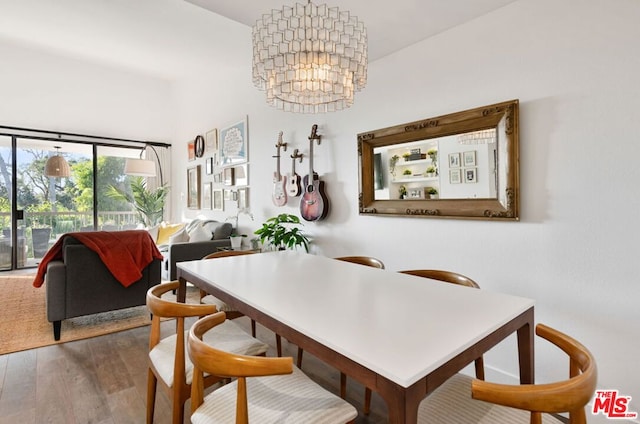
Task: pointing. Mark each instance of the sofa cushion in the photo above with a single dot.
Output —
(180, 236)
(220, 230)
(153, 231)
(199, 233)
(165, 232)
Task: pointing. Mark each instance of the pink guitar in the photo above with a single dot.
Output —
(279, 196)
(293, 179)
(314, 204)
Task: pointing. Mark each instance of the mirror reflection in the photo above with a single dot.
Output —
(460, 165)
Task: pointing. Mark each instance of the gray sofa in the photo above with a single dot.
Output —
(80, 284)
(189, 251)
(193, 250)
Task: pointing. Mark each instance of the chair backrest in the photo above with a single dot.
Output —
(224, 253)
(207, 359)
(164, 308)
(446, 276)
(453, 278)
(565, 396)
(363, 260)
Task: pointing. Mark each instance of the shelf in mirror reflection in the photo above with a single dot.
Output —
(414, 179)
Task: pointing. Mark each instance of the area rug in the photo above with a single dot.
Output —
(24, 325)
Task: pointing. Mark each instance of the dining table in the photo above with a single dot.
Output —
(399, 335)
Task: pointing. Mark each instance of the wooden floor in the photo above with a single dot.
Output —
(103, 381)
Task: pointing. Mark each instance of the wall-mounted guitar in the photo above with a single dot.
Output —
(279, 196)
(314, 204)
(293, 179)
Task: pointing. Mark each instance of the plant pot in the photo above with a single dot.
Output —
(236, 242)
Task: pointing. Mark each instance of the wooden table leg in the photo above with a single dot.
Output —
(526, 336)
(402, 403)
(181, 296)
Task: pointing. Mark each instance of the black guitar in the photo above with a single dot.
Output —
(314, 204)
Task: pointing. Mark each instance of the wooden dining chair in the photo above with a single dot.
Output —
(209, 299)
(278, 390)
(360, 260)
(222, 306)
(167, 359)
(453, 278)
(462, 399)
(447, 277)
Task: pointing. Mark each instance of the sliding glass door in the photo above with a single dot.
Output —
(6, 188)
(48, 206)
(40, 208)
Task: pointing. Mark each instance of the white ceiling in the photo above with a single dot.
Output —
(391, 24)
(168, 38)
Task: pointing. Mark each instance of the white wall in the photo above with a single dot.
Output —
(572, 64)
(43, 90)
(574, 68)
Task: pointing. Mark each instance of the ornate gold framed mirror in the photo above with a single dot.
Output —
(460, 165)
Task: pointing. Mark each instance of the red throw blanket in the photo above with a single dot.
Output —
(124, 253)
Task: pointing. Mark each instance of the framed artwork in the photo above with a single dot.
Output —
(454, 160)
(471, 175)
(209, 166)
(228, 178)
(211, 139)
(193, 187)
(199, 146)
(455, 176)
(217, 178)
(469, 158)
(240, 176)
(218, 199)
(228, 194)
(191, 150)
(243, 198)
(234, 143)
(206, 196)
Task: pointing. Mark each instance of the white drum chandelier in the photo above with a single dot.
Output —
(309, 58)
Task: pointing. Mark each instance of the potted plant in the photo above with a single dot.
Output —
(431, 171)
(236, 240)
(407, 172)
(432, 192)
(392, 164)
(149, 204)
(406, 156)
(433, 155)
(282, 232)
(403, 191)
(236, 237)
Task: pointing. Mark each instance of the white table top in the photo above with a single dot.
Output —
(400, 326)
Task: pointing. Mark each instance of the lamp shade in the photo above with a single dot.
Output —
(57, 166)
(140, 167)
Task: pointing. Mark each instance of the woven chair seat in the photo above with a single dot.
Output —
(212, 300)
(451, 403)
(228, 336)
(290, 398)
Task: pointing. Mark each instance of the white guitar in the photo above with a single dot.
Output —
(293, 179)
(279, 195)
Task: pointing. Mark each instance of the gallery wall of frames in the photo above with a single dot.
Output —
(218, 169)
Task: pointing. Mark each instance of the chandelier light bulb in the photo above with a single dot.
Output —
(309, 58)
